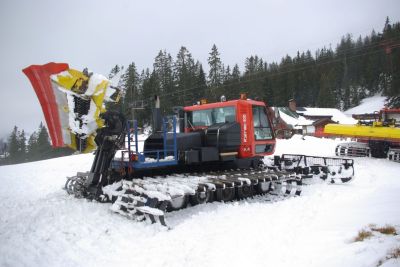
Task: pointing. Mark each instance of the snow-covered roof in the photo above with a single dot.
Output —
(293, 119)
(336, 114)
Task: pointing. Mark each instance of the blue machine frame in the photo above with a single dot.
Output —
(140, 157)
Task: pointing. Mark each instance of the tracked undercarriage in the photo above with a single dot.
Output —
(372, 149)
(353, 149)
(394, 154)
(150, 197)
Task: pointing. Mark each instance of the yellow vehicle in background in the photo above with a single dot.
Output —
(377, 135)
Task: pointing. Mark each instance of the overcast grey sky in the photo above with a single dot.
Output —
(99, 34)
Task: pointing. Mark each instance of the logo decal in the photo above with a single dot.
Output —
(244, 118)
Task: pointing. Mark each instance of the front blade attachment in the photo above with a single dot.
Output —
(72, 102)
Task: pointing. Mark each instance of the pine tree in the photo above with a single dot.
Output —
(325, 96)
(268, 92)
(2, 143)
(43, 143)
(387, 26)
(185, 76)
(116, 77)
(215, 74)
(149, 90)
(234, 84)
(3, 151)
(391, 34)
(227, 74)
(201, 83)
(13, 146)
(22, 153)
(132, 94)
(114, 71)
(235, 72)
(250, 65)
(33, 149)
(163, 68)
(284, 81)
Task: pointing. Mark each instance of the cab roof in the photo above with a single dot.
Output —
(224, 104)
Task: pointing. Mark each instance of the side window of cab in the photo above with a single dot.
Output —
(262, 128)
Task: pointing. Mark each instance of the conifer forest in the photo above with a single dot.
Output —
(336, 76)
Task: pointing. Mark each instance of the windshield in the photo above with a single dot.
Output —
(208, 117)
(262, 129)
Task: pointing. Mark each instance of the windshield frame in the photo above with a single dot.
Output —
(208, 117)
(261, 124)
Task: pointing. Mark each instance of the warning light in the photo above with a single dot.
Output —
(134, 157)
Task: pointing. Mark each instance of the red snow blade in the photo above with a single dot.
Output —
(39, 76)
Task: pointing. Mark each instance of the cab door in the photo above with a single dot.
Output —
(263, 139)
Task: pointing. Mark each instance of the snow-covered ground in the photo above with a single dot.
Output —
(368, 105)
(40, 225)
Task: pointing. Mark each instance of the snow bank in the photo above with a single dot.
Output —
(40, 225)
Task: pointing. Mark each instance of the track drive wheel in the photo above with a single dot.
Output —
(257, 164)
(225, 194)
(178, 203)
(379, 149)
(201, 197)
(263, 187)
(244, 191)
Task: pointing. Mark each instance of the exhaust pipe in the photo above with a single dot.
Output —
(157, 119)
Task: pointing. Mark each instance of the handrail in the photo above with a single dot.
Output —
(167, 150)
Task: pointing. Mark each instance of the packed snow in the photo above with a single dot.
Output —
(40, 225)
(368, 105)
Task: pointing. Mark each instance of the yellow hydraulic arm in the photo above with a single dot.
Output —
(374, 132)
